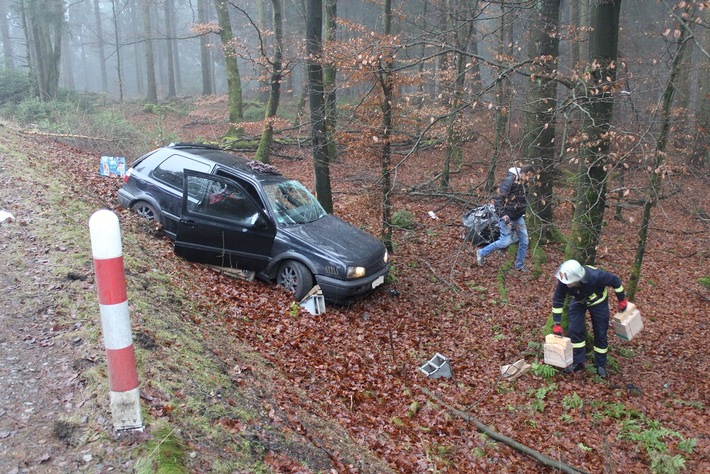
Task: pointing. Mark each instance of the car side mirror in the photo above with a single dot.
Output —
(261, 222)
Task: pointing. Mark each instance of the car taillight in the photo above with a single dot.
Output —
(127, 175)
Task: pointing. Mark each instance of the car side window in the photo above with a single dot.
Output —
(171, 170)
(224, 200)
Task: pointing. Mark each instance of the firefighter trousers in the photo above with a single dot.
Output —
(600, 325)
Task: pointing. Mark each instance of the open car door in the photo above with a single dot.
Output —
(222, 224)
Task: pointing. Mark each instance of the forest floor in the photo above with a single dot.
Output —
(342, 391)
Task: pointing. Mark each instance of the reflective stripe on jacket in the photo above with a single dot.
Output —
(591, 291)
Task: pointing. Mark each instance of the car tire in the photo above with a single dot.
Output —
(146, 210)
(296, 278)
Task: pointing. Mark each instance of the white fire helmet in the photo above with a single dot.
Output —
(570, 272)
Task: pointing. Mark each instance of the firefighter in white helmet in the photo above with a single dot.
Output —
(587, 287)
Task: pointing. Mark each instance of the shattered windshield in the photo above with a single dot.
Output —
(292, 203)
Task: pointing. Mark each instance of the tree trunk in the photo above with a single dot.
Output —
(67, 66)
(119, 71)
(329, 79)
(454, 147)
(541, 108)
(655, 185)
(8, 54)
(503, 93)
(45, 20)
(169, 41)
(264, 151)
(137, 51)
(263, 93)
(592, 176)
(152, 90)
(702, 156)
(101, 42)
(319, 141)
(234, 83)
(386, 83)
(205, 56)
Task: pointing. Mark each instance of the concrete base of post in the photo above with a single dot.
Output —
(126, 410)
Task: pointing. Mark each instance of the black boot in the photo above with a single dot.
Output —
(573, 368)
(601, 372)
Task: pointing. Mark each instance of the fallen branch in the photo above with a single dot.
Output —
(546, 460)
(68, 135)
(452, 286)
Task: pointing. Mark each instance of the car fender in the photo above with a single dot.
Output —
(150, 200)
(276, 261)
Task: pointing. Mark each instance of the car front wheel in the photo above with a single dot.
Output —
(296, 278)
(146, 210)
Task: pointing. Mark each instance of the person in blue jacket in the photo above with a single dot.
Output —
(510, 204)
(587, 287)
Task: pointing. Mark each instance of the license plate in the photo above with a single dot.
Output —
(380, 280)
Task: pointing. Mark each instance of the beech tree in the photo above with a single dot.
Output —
(592, 174)
(152, 90)
(205, 55)
(44, 29)
(316, 100)
(276, 66)
(541, 110)
(234, 84)
(8, 53)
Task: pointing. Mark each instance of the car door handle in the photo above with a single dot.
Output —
(189, 222)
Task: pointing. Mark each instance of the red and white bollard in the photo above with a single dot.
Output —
(115, 320)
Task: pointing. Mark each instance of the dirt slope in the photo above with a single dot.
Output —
(55, 416)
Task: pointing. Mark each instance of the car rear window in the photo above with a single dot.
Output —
(171, 170)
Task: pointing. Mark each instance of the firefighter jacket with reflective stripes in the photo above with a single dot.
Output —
(590, 291)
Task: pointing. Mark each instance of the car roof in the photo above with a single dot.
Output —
(226, 159)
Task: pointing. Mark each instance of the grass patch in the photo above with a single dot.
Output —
(164, 454)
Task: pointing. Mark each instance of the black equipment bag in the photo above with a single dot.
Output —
(481, 225)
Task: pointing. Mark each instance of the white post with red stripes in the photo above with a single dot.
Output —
(115, 320)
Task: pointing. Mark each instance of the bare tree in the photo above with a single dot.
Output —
(463, 25)
(276, 65)
(44, 29)
(152, 90)
(205, 56)
(541, 110)
(319, 139)
(656, 167)
(8, 54)
(592, 174)
(100, 44)
(169, 8)
(387, 84)
(234, 84)
(329, 78)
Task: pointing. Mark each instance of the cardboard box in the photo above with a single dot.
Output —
(627, 324)
(113, 166)
(558, 351)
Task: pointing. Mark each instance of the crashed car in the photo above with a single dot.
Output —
(225, 210)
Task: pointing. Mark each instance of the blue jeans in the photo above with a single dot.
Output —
(506, 238)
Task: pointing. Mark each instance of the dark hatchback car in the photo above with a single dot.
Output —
(226, 210)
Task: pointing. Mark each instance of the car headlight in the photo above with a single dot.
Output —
(356, 272)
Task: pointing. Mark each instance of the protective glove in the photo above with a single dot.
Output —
(622, 305)
(557, 330)
(505, 219)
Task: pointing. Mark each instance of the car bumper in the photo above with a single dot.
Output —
(343, 291)
(124, 199)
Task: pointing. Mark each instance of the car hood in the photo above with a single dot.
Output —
(335, 237)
